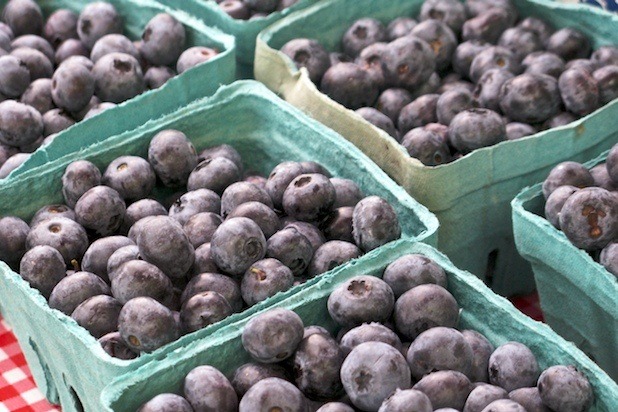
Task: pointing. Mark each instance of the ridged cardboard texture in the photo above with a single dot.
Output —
(200, 81)
(482, 310)
(245, 31)
(67, 362)
(579, 297)
(471, 195)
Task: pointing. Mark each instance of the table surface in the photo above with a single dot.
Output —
(18, 392)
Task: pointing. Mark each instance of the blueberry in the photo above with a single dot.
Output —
(200, 227)
(567, 173)
(476, 128)
(13, 163)
(487, 90)
(262, 215)
(483, 395)
(258, 180)
(520, 41)
(251, 373)
(560, 119)
(311, 232)
(335, 407)
(413, 270)
(512, 366)
(223, 285)
(487, 26)
(375, 223)
(23, 17)
(100, 209)
(316, 365)
(350, 85)
(361, 299)
(430, 86)
(242, 192)
(465, 53)
(445, 389)
(65, 235)
(273, 336)
(391, 101)
(309, 197)
(607, 81)
(118, 77)
(139, 278)
(369, 332)
(310, 330)
(439, 348)
(330, 255)
(113, 43)
(540, 27)
(71, 48)
(569, 44)
(72, 290)
(347, 192)
(194, 56)
(42, 267)
(588, 218)
(20, 124)
(36, 62)
(440, 38)
(609, 258)
(38, 95)
(371, 372)
(400, 27)
(146, 325)
(157, 76)
(481, 350)
(13, 235)
(98, 108)
(204, 261)
(207, 389)
(418, 113)
(579, 91)
(172, 156)
(543, 63)
(264, 279)
(34, 42)
(98, 315)
(426, 146)
(96, 20)
(515, 130)
(504, 405)
(361, 34)
(194, 202)
(79, 177)
(612, 163)
(166, 402)
(585, 64)
(555, 202)
(370, 59)
(215, 174)
(493, 57)
(273, 394)
(338, 225)
(6, 152)
(452, 102)
(55, 121)
(336, 58)
(564, 388)
(530, 98)
(163, 40)
(408, 62)
(113, 345)
(450, 12)
(119, 257)
(408, 399)
(601, 178)
(61, 25)
(423, 307)
(279, 179)
(291, 248)
(529, 398)
(98, 253)
(266, 6)
(310, 54)
(203, 309)
(236, 9)
(140, 209)
(236, 244)
(175, 256)
(131, 176)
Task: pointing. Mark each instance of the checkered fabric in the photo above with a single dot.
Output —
(18, 392)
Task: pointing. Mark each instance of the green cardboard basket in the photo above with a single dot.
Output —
(579, 297)
(471, 195)
(245, 31)
(67, 362)
(482, 310)
(198, 82)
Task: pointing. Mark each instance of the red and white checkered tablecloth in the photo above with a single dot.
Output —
(18, 392)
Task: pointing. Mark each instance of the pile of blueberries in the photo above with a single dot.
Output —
(59, 71)
(141, 275)
(466, 75)
(251, 9)
(584, 205)
(398, 350)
